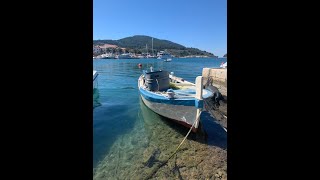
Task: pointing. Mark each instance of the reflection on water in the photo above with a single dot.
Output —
(131, 141)
(96, 102)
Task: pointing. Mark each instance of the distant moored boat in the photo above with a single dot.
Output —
(164, 55)
(223, 65)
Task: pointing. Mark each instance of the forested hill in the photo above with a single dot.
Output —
(138, 44)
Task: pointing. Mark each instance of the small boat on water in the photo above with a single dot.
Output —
(106, 56)
(223, 65)
(164, 55)
(173, 97)
(168, 60)
(127, 56)
(95, 78)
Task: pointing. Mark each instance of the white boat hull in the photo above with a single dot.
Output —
(185, 115)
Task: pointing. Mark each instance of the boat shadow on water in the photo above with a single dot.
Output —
(209, 132)
(214, 134)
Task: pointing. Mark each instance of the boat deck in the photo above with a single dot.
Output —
(190, 92)
(183, 88)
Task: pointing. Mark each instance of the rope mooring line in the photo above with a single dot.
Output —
(185, 136)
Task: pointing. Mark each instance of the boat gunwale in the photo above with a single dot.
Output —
(186, 99)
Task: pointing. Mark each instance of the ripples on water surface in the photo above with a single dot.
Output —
(130, 141)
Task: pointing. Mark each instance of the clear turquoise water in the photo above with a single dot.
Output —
(125, 131)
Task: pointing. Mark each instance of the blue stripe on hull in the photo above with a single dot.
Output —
(152, 97)
(184, 114)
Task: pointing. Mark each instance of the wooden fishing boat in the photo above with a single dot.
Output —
(173, 97)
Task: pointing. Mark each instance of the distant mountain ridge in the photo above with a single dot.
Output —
(138, 43)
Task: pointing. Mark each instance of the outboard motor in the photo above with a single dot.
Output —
(217, 96)
(157, 80)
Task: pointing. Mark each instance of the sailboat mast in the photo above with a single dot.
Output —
(147, 50)
(152, 48)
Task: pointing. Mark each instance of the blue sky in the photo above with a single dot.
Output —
(193, 23)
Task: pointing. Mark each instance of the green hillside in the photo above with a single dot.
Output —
(138, 43)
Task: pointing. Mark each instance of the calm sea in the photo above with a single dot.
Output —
(126, 132)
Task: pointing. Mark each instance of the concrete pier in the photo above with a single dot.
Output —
(217, 77)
